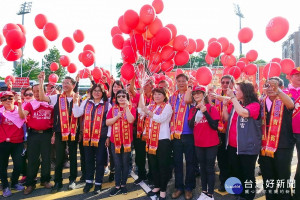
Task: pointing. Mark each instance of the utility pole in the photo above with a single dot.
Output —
(238, 12)
(24, 9)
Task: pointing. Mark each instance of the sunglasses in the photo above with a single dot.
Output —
(28, 94)
(225, 82)
(123, 96)
(7, 98)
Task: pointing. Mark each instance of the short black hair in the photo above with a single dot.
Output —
(112, 95)
(72, 80)
(280, 81)
(228, 77)
(182, 75)
(104, 96)
(122, 92)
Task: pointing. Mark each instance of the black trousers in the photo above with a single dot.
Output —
(95, 159)
(222, 158)
(111, 161)
(14, 150)
(38, 144)
(277, 169)
(140, 156)
(82, 161)
(297, 175)
(60, 147)
(207, 158)
(160, 164)
(184, 145)
(243, 167)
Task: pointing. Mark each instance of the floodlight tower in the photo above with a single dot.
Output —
(25, 8)
(239, 13)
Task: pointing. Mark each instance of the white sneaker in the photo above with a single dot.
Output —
(202, 196)
(106, 171)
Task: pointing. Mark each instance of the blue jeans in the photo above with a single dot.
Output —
(121, 165)
(185, 146)
(96, 155)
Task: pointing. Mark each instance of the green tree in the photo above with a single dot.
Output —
(53, 56)
(118, 69)
(30, 68)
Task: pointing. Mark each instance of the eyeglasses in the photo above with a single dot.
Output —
(121, 96)
(28, 94)
(225, 82)
(266, 85)
(7, 98)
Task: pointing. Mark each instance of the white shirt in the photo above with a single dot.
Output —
(164, 119)
(53, 99)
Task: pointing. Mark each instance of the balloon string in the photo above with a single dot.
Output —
(269, 70)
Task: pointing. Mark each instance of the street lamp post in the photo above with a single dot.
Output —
(239, 13)
(24, 9)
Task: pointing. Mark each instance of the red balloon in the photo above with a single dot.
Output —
(181, 58)
(200, 45)
(191, 48)
(129, 55)
(127, 71)
(278, 60)
(11, 78)
(131, 18)
(89, 47)
(72, 68)
(271, 69)
(145, 52)
(167, 66)
(147, 14)
(80, 57)
(224, 43)
(23, 29)
(179, 71)
(245, 35)
(204, 75)
(64, 61)
(214, 49)
(180, 43)
(241, 65)
(137, 41)
(155, 26)
(229, 60)
(277, 28)
(158, 6)
(78, 36)
(173, 29)
(163, 36)
(230, 49)
(154, 68)
(167, 53)
(15, 39)
(209, 60)
(235, 72)
(53, 78)
(250, 69)
(97, 73)
(88, 58)
(252, 55)
(141, 27)
(50, 31)
(1, 39)
(243, 59)
(84, 73)
(40, 43)
(226, 71)
(155, 58)
(212, 40)
(54, 66)
(11, 54)
(10, 26)
(68, 44)
(122, 26)
(115, 30)
(287, 65)
(118, 41)
(40, 20)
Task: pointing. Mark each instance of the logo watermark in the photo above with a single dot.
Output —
(233, 185)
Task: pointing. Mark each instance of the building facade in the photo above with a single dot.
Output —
(291, 47)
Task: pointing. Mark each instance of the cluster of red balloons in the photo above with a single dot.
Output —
(159, 45)
(14, 35)
(278, 66)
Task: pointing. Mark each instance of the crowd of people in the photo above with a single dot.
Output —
(168, 128)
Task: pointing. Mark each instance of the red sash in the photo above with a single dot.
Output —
(140, 123)
(125, 140)
(177, 125)
(270, 139)
(153, 134)
(297, 107)
(88, 134)
(66, 126)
